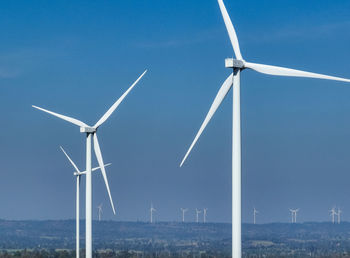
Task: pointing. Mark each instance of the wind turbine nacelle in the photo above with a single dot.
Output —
(234, 63)
(87, 130)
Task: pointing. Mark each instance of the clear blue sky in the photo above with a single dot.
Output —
(77, 58)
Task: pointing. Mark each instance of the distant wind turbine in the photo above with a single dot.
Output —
(151, 212)
(338, 213)
(294, 215)
(183, 213)
(205, 215)
(197, 215)
(333, 213)
(91, 133)
(78, 174)
(99, 209)
(233, 81)
(254, 215)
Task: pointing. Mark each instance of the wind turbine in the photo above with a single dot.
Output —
(197, 214)
(294, 215)
(99, 209)
(333, 213)
(183, 213)
(338, 213)
(78, 174)
(151, 211)
(91, 133)
(205, 215)
(233, 80)
(254, 215)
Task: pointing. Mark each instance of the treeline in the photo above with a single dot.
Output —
(106, 254)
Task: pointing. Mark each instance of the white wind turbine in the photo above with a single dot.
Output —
(99, 209)
(197, 214)
(78, 174)
(151, 210)
(183, 213)
(205, 215)
(294, 215)
(91, 133)
(333, 213)
(338, 214)
(254, 215)
(238, 65)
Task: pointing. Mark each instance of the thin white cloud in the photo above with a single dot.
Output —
(176, 43)
(18, 61)
(301, 32)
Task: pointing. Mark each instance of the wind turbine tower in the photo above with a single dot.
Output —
(197, 215)
(91, 135)
(333, 213)
(237, 66)
(205, 215)
(151, 212)
(183, 213)
(254, 215)
(99, 208)
(78, 174)
(338, 213)
(294, 215)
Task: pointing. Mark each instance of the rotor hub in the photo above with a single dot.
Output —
(87, 130)
(234, 63)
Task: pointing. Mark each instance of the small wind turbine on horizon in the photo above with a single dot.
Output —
(338, 214)
(78, 174)
(333, 214)
(233, 81)
(197, 215)
(99, 210)
(151, 212)
(294, 215)
(205, 215)
(91, 132)
(254, 215)
(183, 213)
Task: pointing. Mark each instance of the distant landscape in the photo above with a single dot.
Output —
(173, 239)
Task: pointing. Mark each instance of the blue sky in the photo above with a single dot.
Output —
(77, 58)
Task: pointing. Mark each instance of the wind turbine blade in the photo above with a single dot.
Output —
(70, 160)
(281, 71)
(97, 168)
(217, 101)
(116, 104)
(231, 30)
(102, 166)
(67, 118)
(94, 169)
